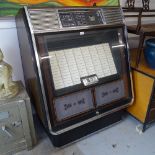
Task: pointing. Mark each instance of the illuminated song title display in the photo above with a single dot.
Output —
(70, 65)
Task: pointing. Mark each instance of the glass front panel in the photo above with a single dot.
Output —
(84, 71)
(82, 59)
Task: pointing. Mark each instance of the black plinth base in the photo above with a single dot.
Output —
(84, 130)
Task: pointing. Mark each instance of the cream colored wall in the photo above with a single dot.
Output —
(10, 47)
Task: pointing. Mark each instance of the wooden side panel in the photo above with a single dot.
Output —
(143, 86)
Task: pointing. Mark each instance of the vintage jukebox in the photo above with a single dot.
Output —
(76, 68)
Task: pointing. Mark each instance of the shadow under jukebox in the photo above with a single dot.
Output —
(76, 68)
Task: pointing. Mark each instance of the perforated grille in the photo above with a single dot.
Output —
(113, 16)
(44, 19)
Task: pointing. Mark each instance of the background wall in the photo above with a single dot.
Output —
(10, 47)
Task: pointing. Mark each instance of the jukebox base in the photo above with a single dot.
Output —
(84, 130)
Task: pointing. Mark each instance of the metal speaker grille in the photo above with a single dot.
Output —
(113, 16)
(43, 20)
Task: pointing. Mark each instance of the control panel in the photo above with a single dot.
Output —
(85, 17)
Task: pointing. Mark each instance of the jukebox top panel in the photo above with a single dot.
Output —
(70, 65)
(65, 19)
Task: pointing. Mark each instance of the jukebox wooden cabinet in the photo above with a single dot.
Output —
(76, 69)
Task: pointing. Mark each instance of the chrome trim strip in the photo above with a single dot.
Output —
(75, 28)
(126, 40)
(58, 17)
(116, 46)
(39, 69)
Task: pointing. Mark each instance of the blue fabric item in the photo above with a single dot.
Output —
(149, 52)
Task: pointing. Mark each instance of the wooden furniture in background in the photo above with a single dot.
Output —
(143, 107)
(16, 124)
(146, 4)
(141, 29)
(131, 3)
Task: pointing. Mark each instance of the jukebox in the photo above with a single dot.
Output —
(76, 68)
